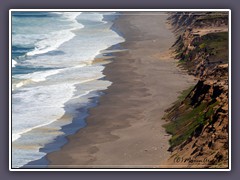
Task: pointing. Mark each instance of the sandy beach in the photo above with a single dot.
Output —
(125, 129)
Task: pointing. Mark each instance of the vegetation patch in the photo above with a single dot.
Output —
(183, 125)
(215, 44)
(213, 48)
(185, 119)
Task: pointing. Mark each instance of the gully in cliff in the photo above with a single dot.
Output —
(199, 120)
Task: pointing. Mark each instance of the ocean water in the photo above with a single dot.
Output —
(54, 79)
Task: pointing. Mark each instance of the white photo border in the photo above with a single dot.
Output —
(116, 10)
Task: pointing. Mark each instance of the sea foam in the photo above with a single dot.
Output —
(62, 78)
(14, 63)
(57, 38)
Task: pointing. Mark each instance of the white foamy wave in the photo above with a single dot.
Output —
(16, 136)
(41, 76)
(34, 77)
(81, 95)
(96, 17)
(72, 16)
(102, 17)
(48, 100)
(26, 79)
(14, 63)
(22, 83)
(42, 103)
(51, 43)
(44, 97)
(26, 40)
(57, 38)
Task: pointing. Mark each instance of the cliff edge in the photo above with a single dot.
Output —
(198, 121)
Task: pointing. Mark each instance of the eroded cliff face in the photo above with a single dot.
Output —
(198, 121)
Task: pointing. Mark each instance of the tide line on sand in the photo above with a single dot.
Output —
(126, 128)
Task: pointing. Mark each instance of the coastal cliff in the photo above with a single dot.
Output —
(198, 121)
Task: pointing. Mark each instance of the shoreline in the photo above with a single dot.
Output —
(145, 82)
(77, 122)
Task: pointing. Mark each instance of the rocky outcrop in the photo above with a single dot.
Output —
(199, 122)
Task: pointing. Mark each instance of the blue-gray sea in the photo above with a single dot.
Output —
(54, 79)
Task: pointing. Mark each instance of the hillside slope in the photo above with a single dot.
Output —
(198, 121)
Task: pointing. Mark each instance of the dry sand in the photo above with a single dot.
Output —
(125, 129)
